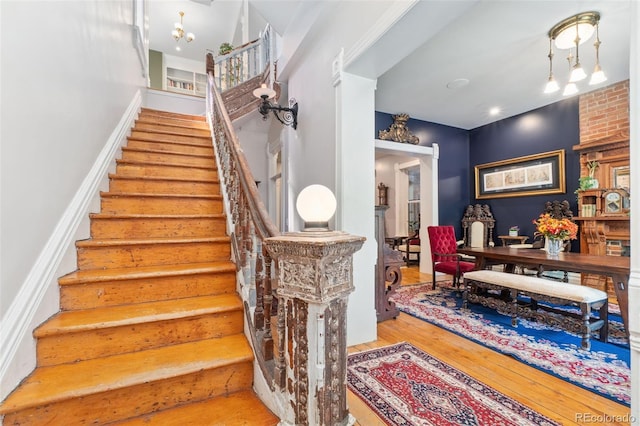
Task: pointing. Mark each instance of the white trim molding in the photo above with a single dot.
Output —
(17, 324)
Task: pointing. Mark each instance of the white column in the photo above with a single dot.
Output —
(428, 204)
(634, 158)
(355, 191)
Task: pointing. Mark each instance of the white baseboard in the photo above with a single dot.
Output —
(17, 357)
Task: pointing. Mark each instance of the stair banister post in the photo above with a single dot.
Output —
(315, 278)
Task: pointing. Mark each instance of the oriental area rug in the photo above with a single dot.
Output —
(406, 386)
(604, 370)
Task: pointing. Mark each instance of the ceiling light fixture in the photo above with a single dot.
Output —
(552, 84)
(569, 34)
(571, 88)
(289, 114)
(178, 31)
(598, 75)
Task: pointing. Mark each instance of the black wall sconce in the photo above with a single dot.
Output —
(286, 115)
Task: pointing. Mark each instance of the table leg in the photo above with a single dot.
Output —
(481, 262)
(621, 284)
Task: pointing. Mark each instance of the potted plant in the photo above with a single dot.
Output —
(234, 65)
(592, 166)
(225, 48)
(513, 231)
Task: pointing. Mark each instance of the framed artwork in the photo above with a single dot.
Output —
(620, 177)
(522, 176)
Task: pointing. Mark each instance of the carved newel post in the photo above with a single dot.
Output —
(315, 279)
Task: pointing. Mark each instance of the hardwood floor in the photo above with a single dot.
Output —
(549, 395)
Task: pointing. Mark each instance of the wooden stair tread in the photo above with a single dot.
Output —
(155, 195)
(168, 129)
(156, 216)
(56, 383)
(144, 272)
(151, 136)
(238, 408)
(149, 241)
(174, 122)
(159, 151)
(165, 178)
(163, 163)
(160, 142)
(113, 316)
(152, 111)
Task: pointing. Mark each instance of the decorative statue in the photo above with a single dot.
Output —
(398, 131)
(383, 194)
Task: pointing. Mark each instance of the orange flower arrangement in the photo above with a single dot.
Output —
(560, 229)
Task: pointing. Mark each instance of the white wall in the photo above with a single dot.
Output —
(174, 102)
(69, 73)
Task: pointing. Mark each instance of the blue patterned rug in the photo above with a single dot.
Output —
(605, 369)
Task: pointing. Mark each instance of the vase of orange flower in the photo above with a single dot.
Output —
(555, 231)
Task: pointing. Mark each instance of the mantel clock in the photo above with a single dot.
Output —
(615, 202)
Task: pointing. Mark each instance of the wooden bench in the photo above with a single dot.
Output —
(537, 289)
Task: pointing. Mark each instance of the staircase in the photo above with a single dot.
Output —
(151, 328)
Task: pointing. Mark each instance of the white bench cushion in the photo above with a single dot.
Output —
(413, 248)
(572, 292)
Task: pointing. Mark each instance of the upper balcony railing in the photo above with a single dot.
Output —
(244, 62)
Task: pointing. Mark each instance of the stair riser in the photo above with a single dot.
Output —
(122, 292)
(71, 347)
(174, 130)
(118, 404)
(166, 114)
(169, 159)
(168, 121)
(160, 205)
(171, 147)
(138, 170)
(151, 254)
(243, 408)
(161, 137)
(157, 228)
(145, 186)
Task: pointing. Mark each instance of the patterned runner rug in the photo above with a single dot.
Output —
(406, 386)
(605, 369)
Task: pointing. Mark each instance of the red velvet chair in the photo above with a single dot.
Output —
(444, 256)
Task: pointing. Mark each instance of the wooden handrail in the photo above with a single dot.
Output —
(259, 213)
(249, 225)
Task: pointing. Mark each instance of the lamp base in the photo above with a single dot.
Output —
(316, 226)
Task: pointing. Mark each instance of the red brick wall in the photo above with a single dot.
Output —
(605, 112)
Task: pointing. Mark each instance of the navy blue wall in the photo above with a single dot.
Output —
(549, 128)
(453, 169)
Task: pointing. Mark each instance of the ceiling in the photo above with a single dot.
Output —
(499, 46)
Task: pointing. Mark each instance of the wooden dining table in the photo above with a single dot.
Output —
(615, 267)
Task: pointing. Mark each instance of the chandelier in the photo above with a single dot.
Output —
(178, 31)
(570, 34)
